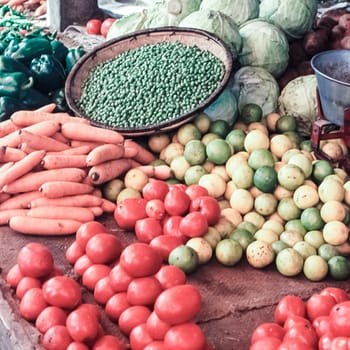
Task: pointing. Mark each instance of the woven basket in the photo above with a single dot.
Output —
(112, 48)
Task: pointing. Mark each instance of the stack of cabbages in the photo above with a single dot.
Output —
(258, 34)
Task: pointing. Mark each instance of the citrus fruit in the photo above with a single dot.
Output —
(265, 204)
(256, 139)
(179, 166)
(236, 160)
(295, 225)
(194, 152)
(315, 268)
(289, 262)
(112, 188)
(242, 200)
(212, 236)
(171, 151)
(218, 151)
(274, 226)
(242, 236)
(255, 218)
(306, 145)
(327, 251)
(280, 192)
(335, 232)
(242, 176)
(333, 211)
(339, 268)
(290, 176)
(311, 219)
(266, 235)
(184, 257)
(193, 174)
(220, 127)
(286, 123)
(228, 252)
(202, 247)
(294, 137)
(258, 126)
(289, 154)
(305, 249)
(291, 237)
(221, 170)
(214, 183)
(202, 122)
(305, 196)
(260, 254)
(271, 120)
(265, 179)
(303, 162)
(320, 169)
(208, 137)
(236, 139)
(278, 245)
(250, 113)
(287, 209)
(331, 190)
(249, 226)
(260, 157)
(188, 132)
(232, 215)
(224, 226)
(315, 238)
(280, 144)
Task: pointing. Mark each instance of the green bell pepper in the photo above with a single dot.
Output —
(14, 84)
(58, 97)
(9, 64)
(48, 73)
(34, 99)
(59, 50)
(74, 54)
(9, 105)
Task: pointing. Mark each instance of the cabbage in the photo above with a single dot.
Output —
(294, 17)
(255, 85)
(264, 45)
(127, 24)
(223, 107)
(163, 13)
(298, 98)
(240, 11)
(217, 23)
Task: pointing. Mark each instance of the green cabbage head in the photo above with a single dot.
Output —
(294, 17)
(264, 45)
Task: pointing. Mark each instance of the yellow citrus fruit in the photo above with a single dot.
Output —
(271, 120)
(260, 254)
(287, 209)
(242, 176)
(218, 151)
(194, 152)
(305, 249)
(242, 200)
(315, 238)
(233, 215)
(236, 139)
(188, 132)
(214, 183)
(265, 204)
(158, 142)
(202, 247)
(228, 252)
(179, 166)
(291, 237)
(290, 176)
(260, 157)
(333, 211)
(202, 122)
(255, 218)
(331, 190)
(280, 144)
(315, 268)
(266, 235)
(274, 226)
(224, 226)
(256, 139)
(209, 137)
(289, 262)
(335, 233)
(303, 162)
(212, 236)
(305, 196)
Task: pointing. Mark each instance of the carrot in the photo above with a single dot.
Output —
(21, 167)
(143, 155)
(79, 200)
(97, 192)
(2, 152)
(6, 166)
(88, 132)
(41, 142)
(20, 201)
(32, 181)
(49, 108)
(4, 197)
(7, 127)
(44, 128)
(6, 215)
(108, 170)
(41, 226)
(13, 155)
(162, 172)
(134, 163)
(97, 211)
(56, 212)
(80, 150)
(129, 152)
(11, 140)
(59, 137)
(90, 144)
(56, 189)
(104, 153)
(56, 161)
(108, 206)
(25, 148)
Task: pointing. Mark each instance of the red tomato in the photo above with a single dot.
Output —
(103, 248)
(294, 345)
(176, 202)
(14, 276)
(56, 338)
(321, 325)
(155, 189)
(319, 305)
(164, 244)
(128, 211)
(156, 327)
(148, 228)
(93, 26)
(294, 320)
(338, 294)
(106, 24)
(339, 319)
(195, 191)
(340, 343)
(269, 329)
(289, 305)
(155, 209)
(132, 317)
(267, 343)
(81, 265)
(62, 291)
(119, 279)
(82, 325)
(194, 224)
(170, 276)
(139, 337)
(25, 284)
(50, 316)
(302, 333)
(185, 336)
(32, 304)
(87, 230)
(116, 305)
(75, 345)
(185, 301)
(35, 260)
(324, 343)
(93, 274)
(91, 309)
(74, 252)
(143, 291)
(109, 342)
(208, 206)
(171, 227)
(103, 290)
(155, 345)
(178, 186)
(140, 260)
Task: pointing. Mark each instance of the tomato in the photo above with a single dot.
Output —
(82, 325)
(178, 186)
(32, 303)
(106, 24)
(109, 342)
(50, 316)
(81, 265)
(176, 202)
(35, 260)
(87, 230)
(103, 290)
(339, 319)
(155, 345)
(128, 211)
(171, 227)
(170, 276)
(306, 335)
(140, 260)
(266, 343)
(119, 279)
(294, 320)
(25, 284)
(289, 305)
(319, 305)
(155, 209)
(93, 274)
(156, 327)
(321, 325)
(208, 206)
(164, 244)
(338, 294)
(269, 329)
(194, 224)
(155, 189)
(93, 26)
(92, 309)
(74, 252)
(56, 338)
(340, 343)
(75, 345)
(103, 248)
(139, 337)
(143, 291)
(14, 276)
(195, 191)
(116, 305)
(62, 291)
(178, 304)
(185, 336)
(132, 317)
(294, 345)
(148, 228)
(324, 343)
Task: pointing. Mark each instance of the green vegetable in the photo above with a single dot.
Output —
(72, 57)
(33, 99)
(14, 84)
(9, 105)
(58, 97)
(9, 64)
(59, 50)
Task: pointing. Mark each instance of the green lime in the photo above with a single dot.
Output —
(208, 137)
(242, 176)
(320, 169)
(327, 251)
(265, 179)
(287, 209)
(305, 249)
(193, 174)
(295, 225)
(311, 219)
(306, 145)
(188, 132)
(294, 137)
(202, 122)
(265, 204)
(290, 176)
(286, 123)
(315, 268)
(277, 246)
(228, 252)
(184, 257)
(194, 152)
(247, 225)
(289, 262)
(303, 162)
(236, 139)
(218, 151)
(339, 267)
(260, 157)
(251, 113)
(242, 236)
(220, 127)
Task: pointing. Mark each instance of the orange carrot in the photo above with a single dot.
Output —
(56, 212)
(6, 215)
(11, 140)
(104, 153)
(59, 137)
(79, 200)
(26, 148)
(49, 108)
(134, 163)
(108, 206)
(2, 152)
(108, 170)
(129, 152)
(56, 161)
(97, 211)
(143, 155)
(90, 144)
(33, 180)
(88, 132)
(97, 192)
(20, 201)
(80, 150)
(7, 127)
(41, 226)
(13, 155)
(5, 166)
(162, 172)
(44, 128)
(56, 189)
(4, 197)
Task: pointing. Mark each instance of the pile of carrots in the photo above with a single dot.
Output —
(52, 166)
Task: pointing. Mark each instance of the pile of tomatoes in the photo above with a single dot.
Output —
(99, 27)
(321, 322)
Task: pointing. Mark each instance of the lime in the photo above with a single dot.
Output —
(193, 174)
(194, 152)
(242, 176)
(290, 176)
(339, 268)
(303, 162)
(294, 137)
(279, 245)
(179, 165)
(260, 254)
(257, 219)
(306, 145)
(208, 137)
(202, 122)
(188, 132)
(311, 219)
(247, 225)
(228, 252)
(236, 139)
(202, 247)
(260, 157)
(212, 236)
(315, 238)
(184, 257)
(327, 251)
(220, 127)
(295, 225)
(112, 188)
(287, 209)
(289, 262)
(286, 123)
(320, 169)
(265, 204)
(315, 268)
(265, 179)
(218, 151)
(242, 236)
(250, 113)
(305, 249)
